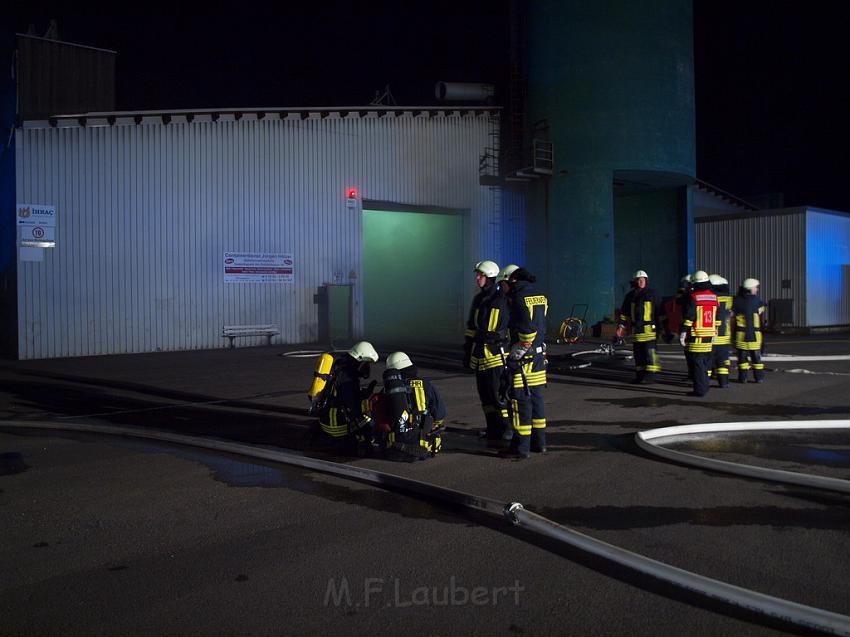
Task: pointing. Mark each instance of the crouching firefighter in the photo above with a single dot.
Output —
(340, 402)
(748, 310)
(527, 360)
(409, 412)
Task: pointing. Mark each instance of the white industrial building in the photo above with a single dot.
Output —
(801, 256)
(169, 226)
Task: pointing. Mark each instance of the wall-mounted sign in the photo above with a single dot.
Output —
(258, 267)
(37, 224)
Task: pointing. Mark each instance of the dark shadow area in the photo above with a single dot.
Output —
(737, 409)
(823, 498)
(67, 401)
(245, 402)
(641, 517)
(468, 441)
(12, 463)
(632, 426)
(623, 384)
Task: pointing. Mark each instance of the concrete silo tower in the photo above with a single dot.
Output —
(611, 86)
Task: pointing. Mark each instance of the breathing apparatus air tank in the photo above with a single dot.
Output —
(395, 389)
(321, 375)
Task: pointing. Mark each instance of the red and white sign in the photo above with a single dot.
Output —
(258, 267)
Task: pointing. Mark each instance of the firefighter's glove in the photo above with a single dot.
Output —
(683, 338)
(518, 351)
(363, 424)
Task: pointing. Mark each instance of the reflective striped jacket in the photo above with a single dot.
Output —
(749, 320)
(528, 326)
(643, 310)
(701, 320)
(487, 327)
(346, 406)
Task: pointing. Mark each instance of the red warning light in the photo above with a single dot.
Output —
(351, 193)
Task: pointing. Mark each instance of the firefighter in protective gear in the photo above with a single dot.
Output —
(527, 361)
(643, 311)
(486, 338)
(675, 315)
(699, 327)
(748, 316)
(415, 409)
(344, 417)
(723, 341)
(506, 272)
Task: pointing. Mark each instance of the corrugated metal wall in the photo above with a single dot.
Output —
(146, 211)
(827, 268)
(770, 248)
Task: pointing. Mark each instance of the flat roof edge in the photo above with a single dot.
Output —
(274, 109)
(771, 212)
(81, 46)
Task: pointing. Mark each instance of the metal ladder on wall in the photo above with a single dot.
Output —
(489, 175)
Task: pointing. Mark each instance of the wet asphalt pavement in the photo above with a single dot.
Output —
(116, 537)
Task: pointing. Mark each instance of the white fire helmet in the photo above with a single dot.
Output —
(487, 268)
(363, 351)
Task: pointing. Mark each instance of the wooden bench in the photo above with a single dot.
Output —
(238, 331)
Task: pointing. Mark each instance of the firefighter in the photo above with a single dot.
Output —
(505, 274)
(527, 360)
(344, 416)
(643, 311)
(699, 327)
(683, 295)
(484, 350)
(748, 314)
(416, 411)
(723, 340)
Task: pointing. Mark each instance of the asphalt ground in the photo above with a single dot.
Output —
(106, 536)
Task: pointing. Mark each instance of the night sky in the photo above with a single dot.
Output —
(772, 107)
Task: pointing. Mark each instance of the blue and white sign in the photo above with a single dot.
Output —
(37, 224)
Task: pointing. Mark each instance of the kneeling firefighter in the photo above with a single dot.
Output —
(338, 399)
(527, 360)
(409, 413)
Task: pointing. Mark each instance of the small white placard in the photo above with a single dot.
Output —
(36, 215)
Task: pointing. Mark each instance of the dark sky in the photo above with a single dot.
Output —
(772, 108)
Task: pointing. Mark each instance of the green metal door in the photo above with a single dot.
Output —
(412, 277)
